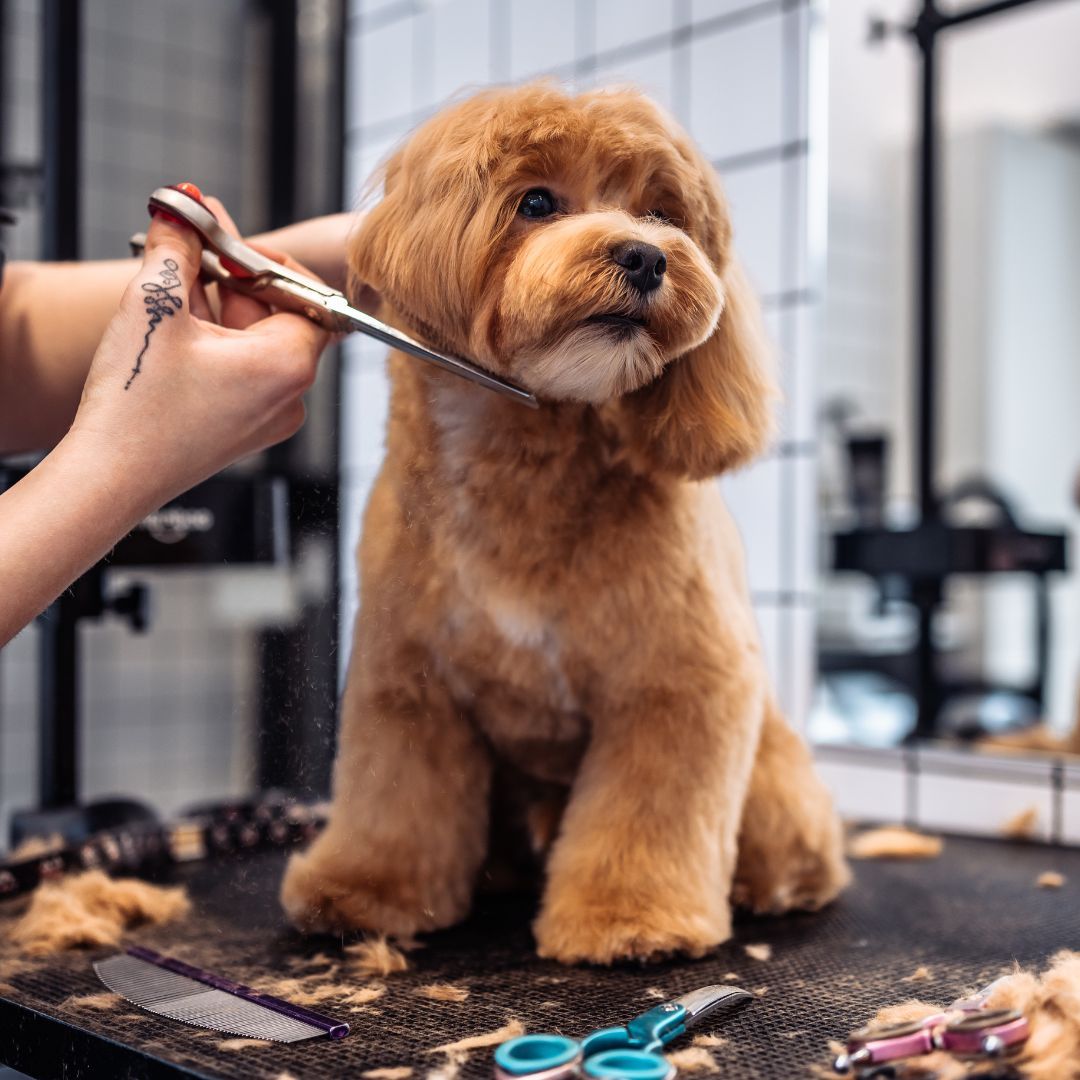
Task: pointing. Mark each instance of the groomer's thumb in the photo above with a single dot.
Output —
(173, 247)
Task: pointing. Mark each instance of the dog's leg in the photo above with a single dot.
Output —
(644, 861)
(791, 852)
(408, 827)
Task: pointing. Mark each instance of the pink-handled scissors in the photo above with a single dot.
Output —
(967, 1028)
(238, 266)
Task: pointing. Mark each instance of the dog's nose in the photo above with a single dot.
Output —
(643, 264)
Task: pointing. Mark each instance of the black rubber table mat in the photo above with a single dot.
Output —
(966, 916)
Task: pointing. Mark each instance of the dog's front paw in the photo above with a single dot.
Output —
(321, 897)
(796, 863)
(592, 932)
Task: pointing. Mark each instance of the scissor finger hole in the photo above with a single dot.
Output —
(550, 1057)
(628, 1065)
(986, 1019)
(885, 1031)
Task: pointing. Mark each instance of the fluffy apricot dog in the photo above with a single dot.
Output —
(554, 608)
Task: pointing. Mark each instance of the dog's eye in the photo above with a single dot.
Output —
(537, 203)
(660, 215)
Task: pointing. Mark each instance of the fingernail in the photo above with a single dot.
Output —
(188, 188)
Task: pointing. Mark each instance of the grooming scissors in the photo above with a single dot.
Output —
(966, 1028)
(630, 1052)
(240, 267)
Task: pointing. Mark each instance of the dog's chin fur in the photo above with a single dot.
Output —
(555, 631)
(592, 364)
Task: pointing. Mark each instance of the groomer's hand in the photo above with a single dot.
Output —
(171, 398)
(176, 396)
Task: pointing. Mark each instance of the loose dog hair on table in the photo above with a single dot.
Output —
(554, 607)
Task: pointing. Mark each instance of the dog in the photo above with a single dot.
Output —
(554, 607)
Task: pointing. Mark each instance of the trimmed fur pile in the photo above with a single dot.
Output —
(92, 910)
(376, 956)
(694, 1059)
(443, 992)
(894, 842)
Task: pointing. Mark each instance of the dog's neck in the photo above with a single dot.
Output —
(466, 438)
(527, 492)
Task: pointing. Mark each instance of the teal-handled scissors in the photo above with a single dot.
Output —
(615, 1053)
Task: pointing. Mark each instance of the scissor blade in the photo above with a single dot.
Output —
(710, 999)
(367, 324)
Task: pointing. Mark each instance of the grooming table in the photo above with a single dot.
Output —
(966, 916)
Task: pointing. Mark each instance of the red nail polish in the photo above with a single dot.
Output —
(234, 267)
(190, 189)
(164, 215)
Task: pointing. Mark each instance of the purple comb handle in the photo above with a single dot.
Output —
(334, 1028)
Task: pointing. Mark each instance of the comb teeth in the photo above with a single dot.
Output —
(180, 998)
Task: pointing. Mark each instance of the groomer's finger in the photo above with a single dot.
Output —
(298, 342)
(237, 310)
(198, 304)
(172, 247)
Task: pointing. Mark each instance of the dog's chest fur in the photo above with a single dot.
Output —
(505, 662)
(513, 535)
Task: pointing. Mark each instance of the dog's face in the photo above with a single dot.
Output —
(575, 244)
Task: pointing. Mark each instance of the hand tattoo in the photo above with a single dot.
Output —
(159, 301)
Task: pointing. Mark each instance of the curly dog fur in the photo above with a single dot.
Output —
(558, 596)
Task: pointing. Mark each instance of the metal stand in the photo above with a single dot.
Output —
(61, 26)
(58, 675)
(297, 700)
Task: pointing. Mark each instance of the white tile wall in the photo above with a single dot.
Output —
(865, 792)
(755, 196)
(385, 63)
(941, 789)
(542, 37)
(983, 806)
(459, 68)
(735, 72)
(800, 497)
(754, 495)
(1070, 812)
(735, 88)
(797, 331)
(627, 22)
(651, 73)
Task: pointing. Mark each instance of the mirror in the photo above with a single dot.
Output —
(951, 614)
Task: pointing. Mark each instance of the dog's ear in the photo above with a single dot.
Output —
(408, 246)
(370, 247)
(712, 409)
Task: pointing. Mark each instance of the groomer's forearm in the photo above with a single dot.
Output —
(52, 316)
(59, 520)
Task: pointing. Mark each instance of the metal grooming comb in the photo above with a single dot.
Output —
(181, 992)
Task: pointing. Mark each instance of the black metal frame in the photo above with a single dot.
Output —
(61, 25)
(297, 691)
(58, 650)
